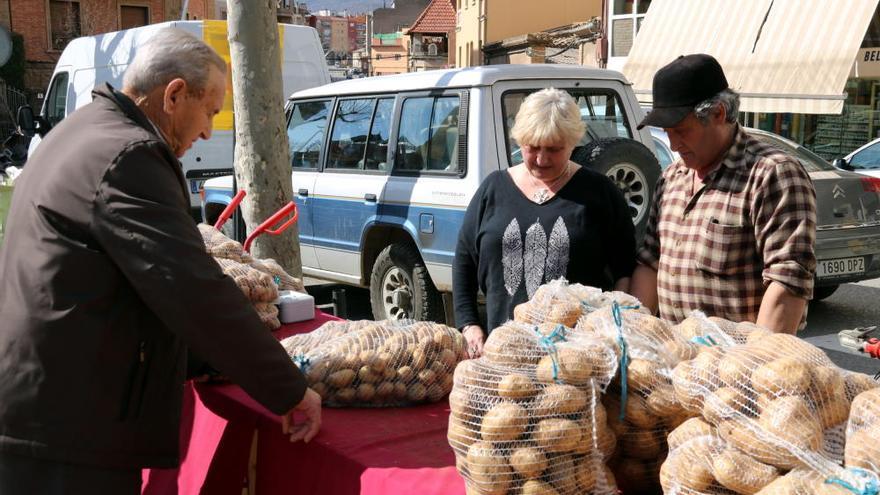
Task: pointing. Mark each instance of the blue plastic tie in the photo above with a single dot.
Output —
(624, 353)
(549, 343)
(276, 279)
(705, 340)
(301, 362)
(871, 486)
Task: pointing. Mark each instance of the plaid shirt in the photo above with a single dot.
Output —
(752, 222)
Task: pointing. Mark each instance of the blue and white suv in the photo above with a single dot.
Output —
(384, 167)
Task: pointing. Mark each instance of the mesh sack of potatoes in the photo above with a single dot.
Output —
(560, 302)
(641, 399)
(527, 416)
(282, 279)
(256, 285)
(301, 344)
(776, 398)
(863, 432)
(220, 246)
(383, 364)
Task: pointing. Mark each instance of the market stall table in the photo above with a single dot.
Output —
(358, 451)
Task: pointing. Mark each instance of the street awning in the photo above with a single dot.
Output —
(780, 55)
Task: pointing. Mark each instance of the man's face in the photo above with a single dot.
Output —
(193, 114)
(699, 145)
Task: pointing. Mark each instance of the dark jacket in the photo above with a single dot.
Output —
(104, 282)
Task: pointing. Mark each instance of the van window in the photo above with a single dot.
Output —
(56, 103)
(350, 129)
(377, 146)
(600, 110)
(305, 132)
(428, 136)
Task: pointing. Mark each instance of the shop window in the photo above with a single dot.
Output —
(65, 22)
(131, 16)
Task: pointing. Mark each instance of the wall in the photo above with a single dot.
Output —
(339, 35)
(385, 58)
(508, 18)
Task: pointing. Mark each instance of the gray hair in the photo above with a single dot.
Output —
(727, 98)
(169, 54)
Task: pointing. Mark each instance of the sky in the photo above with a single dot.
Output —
(353, 6)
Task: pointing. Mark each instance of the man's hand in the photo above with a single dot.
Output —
(475, 338)
(310, 405)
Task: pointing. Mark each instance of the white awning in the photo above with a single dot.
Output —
(780, 55)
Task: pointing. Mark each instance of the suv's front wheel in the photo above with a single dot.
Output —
(401, 288)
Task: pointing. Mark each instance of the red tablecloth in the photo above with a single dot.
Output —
(358, 451)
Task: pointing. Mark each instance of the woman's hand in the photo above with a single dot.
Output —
(475, 338)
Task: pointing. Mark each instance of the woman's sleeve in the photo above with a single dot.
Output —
(464, 267)
(620, 234)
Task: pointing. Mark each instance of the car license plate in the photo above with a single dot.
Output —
(840, 266)
(195, 185)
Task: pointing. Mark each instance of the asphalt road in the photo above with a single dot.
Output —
(853, 305)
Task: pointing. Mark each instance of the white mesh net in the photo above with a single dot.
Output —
(378, 364)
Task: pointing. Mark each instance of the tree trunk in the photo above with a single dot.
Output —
(262, 158)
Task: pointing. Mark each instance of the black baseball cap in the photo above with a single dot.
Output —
(680, 85)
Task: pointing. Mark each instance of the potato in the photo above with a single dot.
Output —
(758, 447)
(862, 449)
(678, 351)
(460, 434)
(488, 469)
(400, 390)
(405, 374)
(367, 375)
(782, 376)
(416, 392)
(504, 422)
(724, 403)
(585, 474)
(642, 375)
(568, 365)
(528, 462)
(564, 312)
(638, 415)
(557, 434)
(535, 487)
(685, 392)
(560, 399)
(321, 389)
(691, 327)
(524, 313)
(661, 402)
(384, 390)
(435, 392)
(517, 386)
(828, 391)
(512, 346)
(345, 395)
(692, 428)
(790, 419)
(856, 383)
(341, 378)
(688, 468)
(741, 473)
(785, 345)
(642, 444)
(420, 358)
(705, 369)
(562, 474)
(427, 377)
(448, 359)
(735, 369)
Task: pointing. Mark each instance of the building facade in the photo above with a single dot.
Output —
(390, 54)
(480, 22)
(47, 25)
(431, 36)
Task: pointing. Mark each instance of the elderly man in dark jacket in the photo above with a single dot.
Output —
(105, 284)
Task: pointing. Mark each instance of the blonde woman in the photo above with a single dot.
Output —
(540, 220)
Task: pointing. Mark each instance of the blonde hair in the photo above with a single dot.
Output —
(548, 117)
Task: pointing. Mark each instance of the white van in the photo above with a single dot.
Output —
(384, 168)
(92, 60)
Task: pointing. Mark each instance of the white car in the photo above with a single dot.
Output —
(865, 160)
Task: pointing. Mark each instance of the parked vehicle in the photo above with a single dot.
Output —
(384, 168)
(865, 160)
(662, 148)
(90, 61)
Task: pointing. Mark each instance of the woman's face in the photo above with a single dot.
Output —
(546, 162)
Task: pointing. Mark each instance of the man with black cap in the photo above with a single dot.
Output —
(733, 223)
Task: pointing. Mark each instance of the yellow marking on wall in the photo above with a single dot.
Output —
(215, 35)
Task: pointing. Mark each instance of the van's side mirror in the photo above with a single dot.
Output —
(841, 164)
(27, 124)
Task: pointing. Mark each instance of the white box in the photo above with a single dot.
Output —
(295, 306)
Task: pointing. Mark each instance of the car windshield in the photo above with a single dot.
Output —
(811, 161)
(867, 159)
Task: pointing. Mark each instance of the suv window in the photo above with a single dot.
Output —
(601, 110)
(351, 126)
(56, 103)
(305, 132)
(377, 146)
(428, 137)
